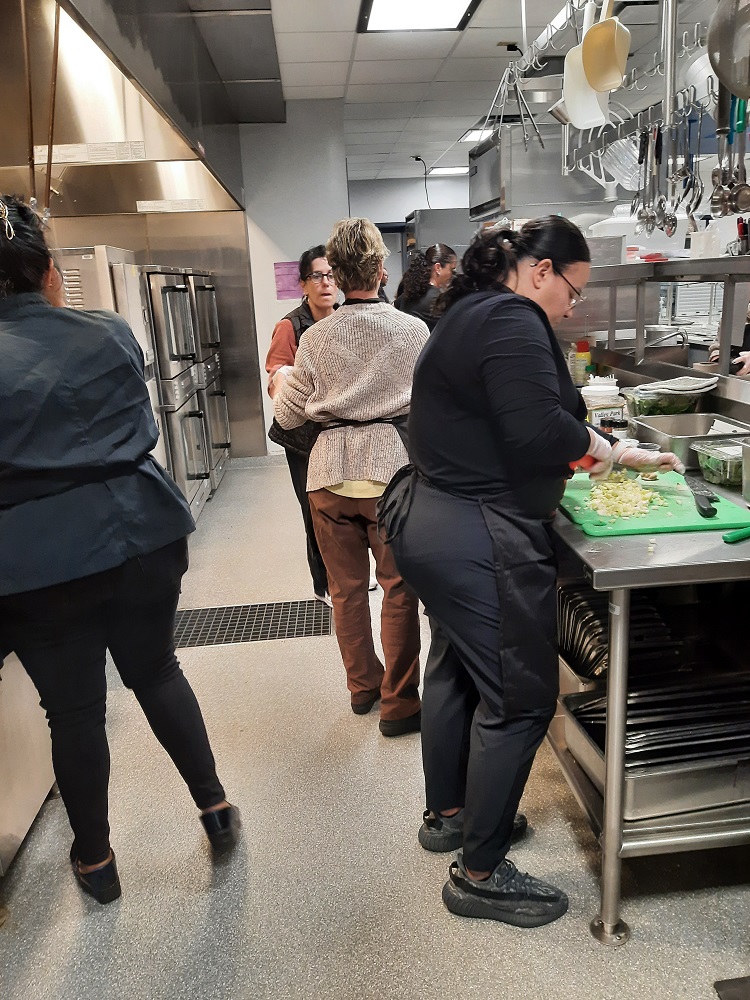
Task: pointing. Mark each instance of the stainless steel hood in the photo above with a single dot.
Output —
(113, 152)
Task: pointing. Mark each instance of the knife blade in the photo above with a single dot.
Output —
(703, 495)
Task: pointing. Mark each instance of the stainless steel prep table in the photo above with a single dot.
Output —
(619, 565)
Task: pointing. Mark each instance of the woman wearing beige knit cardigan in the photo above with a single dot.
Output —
(352, 374)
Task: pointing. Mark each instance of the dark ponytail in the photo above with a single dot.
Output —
(494, 254)
(417, 277)
(24, 254)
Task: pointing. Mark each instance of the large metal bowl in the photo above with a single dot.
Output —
(677, 432)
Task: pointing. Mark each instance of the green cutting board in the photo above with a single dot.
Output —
(682, 516)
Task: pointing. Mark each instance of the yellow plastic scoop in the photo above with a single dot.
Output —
(605, 50)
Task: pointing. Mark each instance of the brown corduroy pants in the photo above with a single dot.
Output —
(345, 529)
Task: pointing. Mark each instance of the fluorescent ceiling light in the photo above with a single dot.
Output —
(415, 15)
(476, 134)
(447, 171)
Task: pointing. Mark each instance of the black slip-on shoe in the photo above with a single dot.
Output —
(103, 883)
(508, 895)
(364, 706)
(222, 828)
(446, 833)
(400, 727)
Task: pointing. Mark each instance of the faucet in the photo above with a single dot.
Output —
(676, 332)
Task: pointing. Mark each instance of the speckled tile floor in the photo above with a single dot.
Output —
(329, 894)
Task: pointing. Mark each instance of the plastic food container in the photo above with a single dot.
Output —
(721, 461)
(642, 403)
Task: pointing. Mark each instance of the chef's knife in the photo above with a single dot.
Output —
(703, 495)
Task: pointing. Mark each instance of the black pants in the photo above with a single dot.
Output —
(61, 635)
(476, 753)
(298, 471)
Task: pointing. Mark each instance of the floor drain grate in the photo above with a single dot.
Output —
(252, 623)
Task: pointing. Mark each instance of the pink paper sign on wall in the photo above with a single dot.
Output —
(286, 275)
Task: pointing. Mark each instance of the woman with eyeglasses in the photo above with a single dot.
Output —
(319, 295)
(429, 274)
(495, 422)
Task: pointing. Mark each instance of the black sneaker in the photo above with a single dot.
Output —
(222, 828)
(400, 727)
(507, 895)
(446, 833)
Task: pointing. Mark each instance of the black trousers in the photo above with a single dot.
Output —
(298, 471)
(476, 753)
(61, 635)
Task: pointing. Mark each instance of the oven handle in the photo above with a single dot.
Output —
(200, 415)
(222, 444)
(181, 290)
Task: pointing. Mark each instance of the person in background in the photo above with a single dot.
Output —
(429, 274)
(352, 376)
(382, 294)
(740, 363)
(92, 545)
(319, 294)
(495, 421)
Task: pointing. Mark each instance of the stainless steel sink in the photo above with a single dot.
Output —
(678, 431)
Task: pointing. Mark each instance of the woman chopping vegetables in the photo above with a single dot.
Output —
(495, 424)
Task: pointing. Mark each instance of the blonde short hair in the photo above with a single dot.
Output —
(355, 251)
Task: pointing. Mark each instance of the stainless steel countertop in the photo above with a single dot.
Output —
(678, 557)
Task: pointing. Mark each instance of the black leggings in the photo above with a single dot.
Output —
(61, 635)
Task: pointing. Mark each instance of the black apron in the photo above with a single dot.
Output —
(526, 577)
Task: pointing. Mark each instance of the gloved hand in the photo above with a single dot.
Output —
(646, 461)
(744, 368)
(279, 378)
(601, 451)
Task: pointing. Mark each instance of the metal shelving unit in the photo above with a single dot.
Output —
(680, 558)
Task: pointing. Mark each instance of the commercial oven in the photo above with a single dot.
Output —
(104, 277)
(212, 401)
(189, 449)
(172, 314)
(205, 312)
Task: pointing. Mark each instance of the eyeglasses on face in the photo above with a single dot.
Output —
(318, 276)
(577, 297)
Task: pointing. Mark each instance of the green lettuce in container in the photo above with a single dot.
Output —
(721, 460)
(644, 403)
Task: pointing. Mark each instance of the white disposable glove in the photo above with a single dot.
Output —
(279, 378)
(601, 451)
(744, 369)
(646, 461)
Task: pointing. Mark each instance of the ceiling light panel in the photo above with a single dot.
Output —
(415, 15)
(448, 171)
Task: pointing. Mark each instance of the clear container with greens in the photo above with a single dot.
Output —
(721, 460)
(642, 402)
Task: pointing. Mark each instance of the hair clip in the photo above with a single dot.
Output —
(9, 230)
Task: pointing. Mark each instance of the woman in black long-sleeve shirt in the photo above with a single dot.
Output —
(495, 422)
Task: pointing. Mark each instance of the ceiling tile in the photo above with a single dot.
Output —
(362, 111)
(396, 92)
(314, 75)
(476, 90)
(314, 46)
(354, 126)
(371, 158)
(455, 70)
(368, 138)
(392, 71)
(257, 102)
(447, 125)
(320, 93)
(504, 13)
(241, 45)
(418, 147)
(376, 149)
(406, 45)
(322, 15)
(472, 109)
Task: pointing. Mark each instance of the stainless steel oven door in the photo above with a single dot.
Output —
(206, 315)
(188, 447)
(218, 419)
(173, 323)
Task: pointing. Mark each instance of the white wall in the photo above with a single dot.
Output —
(295, 190)
(392, 200)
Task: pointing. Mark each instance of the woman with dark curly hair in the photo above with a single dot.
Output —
(429, 274)
(92, 545)
(495, 422)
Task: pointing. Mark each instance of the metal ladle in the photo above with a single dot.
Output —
(719, 207)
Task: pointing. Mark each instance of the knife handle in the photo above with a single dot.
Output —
(736, 536)
(583, 463)
(704, 505)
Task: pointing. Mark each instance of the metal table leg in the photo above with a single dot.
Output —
(607, 927)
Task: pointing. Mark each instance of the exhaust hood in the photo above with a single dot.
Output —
(112, 152)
